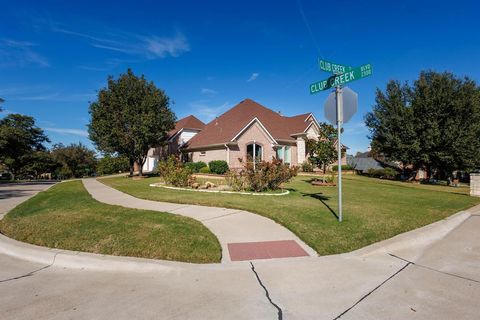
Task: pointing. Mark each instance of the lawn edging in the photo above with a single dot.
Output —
(159, 185)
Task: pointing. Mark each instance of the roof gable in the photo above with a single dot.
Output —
(224, 128)
(189, 122)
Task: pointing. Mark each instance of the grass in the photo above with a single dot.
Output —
(67, 217)
(374, 209)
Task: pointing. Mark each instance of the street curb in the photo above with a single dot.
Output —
(99, 262)
(413, 243)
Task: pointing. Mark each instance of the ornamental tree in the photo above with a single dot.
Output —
(130, 116)
(322, 152)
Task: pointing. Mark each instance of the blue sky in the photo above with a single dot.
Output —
(208, 56)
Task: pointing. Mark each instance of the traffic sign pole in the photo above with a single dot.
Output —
(338, 93)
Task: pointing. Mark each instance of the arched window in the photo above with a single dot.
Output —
(254, 151)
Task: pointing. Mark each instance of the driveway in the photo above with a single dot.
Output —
(12, 194)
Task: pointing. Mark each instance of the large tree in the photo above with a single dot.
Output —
(75, 160)
(19, 139)
(322, 151)
(129, 117)
(434, 124)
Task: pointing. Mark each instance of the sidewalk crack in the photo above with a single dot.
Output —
(31, 273)
(373, 290)
(222, 216)
(267, 294)
(432, 269)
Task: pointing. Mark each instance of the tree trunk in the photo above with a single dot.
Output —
(132, 164)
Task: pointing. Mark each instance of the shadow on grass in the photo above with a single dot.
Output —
(319, 196)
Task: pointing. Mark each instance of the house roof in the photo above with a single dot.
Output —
(189, 122)
(227, 126)
(365, 163)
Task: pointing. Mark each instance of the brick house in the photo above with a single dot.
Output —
(246, 131)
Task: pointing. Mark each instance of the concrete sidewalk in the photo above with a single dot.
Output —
(228, 225)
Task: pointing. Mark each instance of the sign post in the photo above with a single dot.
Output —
(342, 74)
(338, 93)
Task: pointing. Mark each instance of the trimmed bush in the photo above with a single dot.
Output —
(175, 173)
(387, 173)
(205, 170)
(218, 166)
(195, 166)
(307, 167)
(344, 167)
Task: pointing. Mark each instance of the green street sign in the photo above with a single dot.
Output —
(334, 68)
(340, 79)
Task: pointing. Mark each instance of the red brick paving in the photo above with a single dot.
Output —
(265, 250)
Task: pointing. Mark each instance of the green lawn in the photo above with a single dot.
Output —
(67, 217)
(374, 209)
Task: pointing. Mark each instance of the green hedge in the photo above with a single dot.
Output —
(387, 173)
(195, 166)
(344, 167)
(218, 166)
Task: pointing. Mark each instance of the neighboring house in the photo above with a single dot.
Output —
(184, 130)
(246, 131)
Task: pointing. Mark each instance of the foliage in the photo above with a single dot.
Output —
(112, 164)
(344, 167)
(434, 124)
(175, 173)
(205, 170)
(218, 166)
(236, 180)
(329, 178)
(129, 117)
(322, 151)
(264, 176)
(386, 173)
(76, 160)
(195, 166)
(307, 166)
(37, 164)
(19, 138)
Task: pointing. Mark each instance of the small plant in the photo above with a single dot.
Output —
(175, 173)
(218, 166)
(387, 173)
(307, 167)
(195, 166)
(204, 170)
(236, 180)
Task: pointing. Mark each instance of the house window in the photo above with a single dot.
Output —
(254, 151)
(284, 153)
(203, 153)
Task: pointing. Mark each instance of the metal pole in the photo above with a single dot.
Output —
(338, 93)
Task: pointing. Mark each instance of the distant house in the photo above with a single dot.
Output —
(246, 131)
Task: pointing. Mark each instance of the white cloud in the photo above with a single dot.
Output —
(355, 128)
(68, 131)
(253, 77)
(208, 92)
(209, 112)
(146, 46)
(20, 54)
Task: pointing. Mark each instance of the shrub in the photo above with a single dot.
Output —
(344, 167)
(195, 166)
(265, 176)
(236, 180)
(175, 173)
(205, 170)
(112, 164)
(307, 167)
(218, 166)
(387, 173)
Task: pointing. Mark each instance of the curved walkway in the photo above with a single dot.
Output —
(242, 235)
